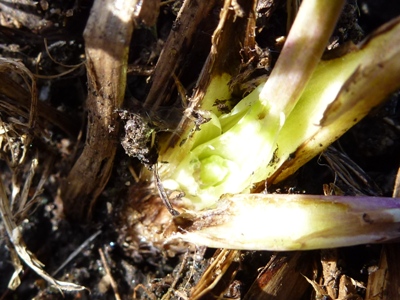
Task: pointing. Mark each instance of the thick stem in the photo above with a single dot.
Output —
(293, 222)
(107, 37)
(301, 53)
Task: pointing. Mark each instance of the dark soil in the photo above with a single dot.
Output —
(138, 266)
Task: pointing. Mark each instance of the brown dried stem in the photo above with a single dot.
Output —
(175, 50)
(107, 36)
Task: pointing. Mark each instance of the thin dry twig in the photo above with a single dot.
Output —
(396, 189)
(57, 62)
(148, 293)
(171, 289)
(76, 252)
(28, 182)
(108, 272)
(163, 194)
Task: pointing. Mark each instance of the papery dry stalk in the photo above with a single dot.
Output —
(378, 280)
(107, 37)
(282, 278)
(221, 269)
(176, 49)
(383, 282)
(330, 271)
(233, 44)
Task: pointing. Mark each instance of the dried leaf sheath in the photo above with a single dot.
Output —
(107, 37)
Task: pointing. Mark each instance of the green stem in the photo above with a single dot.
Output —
(231, 152)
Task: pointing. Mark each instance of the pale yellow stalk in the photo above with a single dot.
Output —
(293, 222)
